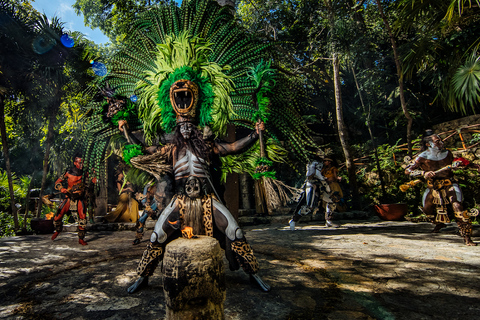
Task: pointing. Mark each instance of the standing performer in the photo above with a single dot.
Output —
(206, 72)
(74, 202)
(315, 186)
(434, 163)
(330, 172)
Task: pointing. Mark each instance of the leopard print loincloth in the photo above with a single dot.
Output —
(181, 209)
(207, 212)
(207, 215)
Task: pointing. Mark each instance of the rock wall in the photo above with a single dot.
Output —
(455, 141)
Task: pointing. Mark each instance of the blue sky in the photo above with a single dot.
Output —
(64, 11)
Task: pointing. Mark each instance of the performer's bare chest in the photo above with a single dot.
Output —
(188, 164)
(435, 161)
(73, 180)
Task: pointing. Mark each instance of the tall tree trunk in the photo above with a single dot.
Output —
(27, 201)
(342, 132)
(6, 155)
(400, 78)
(51, 124)
(372, 137)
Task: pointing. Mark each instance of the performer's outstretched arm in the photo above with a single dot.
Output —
(224, 148)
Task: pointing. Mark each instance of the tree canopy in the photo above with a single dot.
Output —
(112, 17)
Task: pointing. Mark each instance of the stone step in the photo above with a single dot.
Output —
(284, 218)
(249, 220)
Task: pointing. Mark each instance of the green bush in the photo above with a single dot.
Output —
(369, 185)
(7, 225)
(468, 180)
(20, 188)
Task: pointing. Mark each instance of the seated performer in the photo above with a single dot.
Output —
(315, 186)
(434, 163)
(127, 207)
(195, 209)
(74, 202)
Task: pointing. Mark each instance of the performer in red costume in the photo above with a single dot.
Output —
(435, 164)
(74, 202)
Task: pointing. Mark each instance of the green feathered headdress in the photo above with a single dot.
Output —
(184, 57)
(202, 42)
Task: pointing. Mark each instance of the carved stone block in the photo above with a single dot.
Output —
(194, 279)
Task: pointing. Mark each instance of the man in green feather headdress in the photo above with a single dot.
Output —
(187, 69)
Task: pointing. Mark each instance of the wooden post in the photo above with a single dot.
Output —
(246, 198)
(101, 201)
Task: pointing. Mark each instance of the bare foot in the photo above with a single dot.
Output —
(469, 241)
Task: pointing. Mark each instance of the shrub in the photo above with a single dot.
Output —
(20, 187)
(7, 224)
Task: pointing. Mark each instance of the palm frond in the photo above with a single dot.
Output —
(466, 84)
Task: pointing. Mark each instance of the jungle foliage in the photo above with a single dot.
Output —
(438, 43)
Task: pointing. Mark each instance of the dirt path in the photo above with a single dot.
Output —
(362, 270)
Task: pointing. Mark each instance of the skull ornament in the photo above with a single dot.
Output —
(193, 188)
(186, 129)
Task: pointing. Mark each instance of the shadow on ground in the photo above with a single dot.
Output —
(362, 270)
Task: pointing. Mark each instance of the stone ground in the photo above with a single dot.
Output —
(365, 269)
